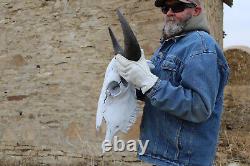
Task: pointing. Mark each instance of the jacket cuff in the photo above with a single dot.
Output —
(151, 92)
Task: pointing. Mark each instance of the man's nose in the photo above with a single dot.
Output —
(170, 12)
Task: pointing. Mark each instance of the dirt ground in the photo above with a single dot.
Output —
(234, 144)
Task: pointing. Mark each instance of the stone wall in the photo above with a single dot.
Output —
(53, 55)
(214, 9)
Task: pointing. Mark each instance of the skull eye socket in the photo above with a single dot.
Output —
(113, 89)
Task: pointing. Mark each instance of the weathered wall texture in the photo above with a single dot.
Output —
(53, 55)
(214, 10)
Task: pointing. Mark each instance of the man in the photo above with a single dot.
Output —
(184, 92)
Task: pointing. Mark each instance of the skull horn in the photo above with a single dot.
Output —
(132, 48)
(117, 48)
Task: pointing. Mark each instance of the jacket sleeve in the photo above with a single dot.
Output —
(195, 97)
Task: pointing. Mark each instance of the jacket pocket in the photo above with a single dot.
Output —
(168, 69)
(168, 65)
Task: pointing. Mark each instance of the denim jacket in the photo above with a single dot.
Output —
(182, 112)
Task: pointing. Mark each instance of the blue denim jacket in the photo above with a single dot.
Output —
(182, 112)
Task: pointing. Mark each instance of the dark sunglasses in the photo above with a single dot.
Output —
(177, 7)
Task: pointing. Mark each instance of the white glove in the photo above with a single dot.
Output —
(136, 72)
(150, 64)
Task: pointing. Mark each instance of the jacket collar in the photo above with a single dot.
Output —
(173, 38)
(197, 23)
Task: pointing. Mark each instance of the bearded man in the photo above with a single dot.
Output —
(183, 94)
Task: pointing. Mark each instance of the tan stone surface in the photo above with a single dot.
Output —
(53, 55)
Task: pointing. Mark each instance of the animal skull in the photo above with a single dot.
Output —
(117, 102)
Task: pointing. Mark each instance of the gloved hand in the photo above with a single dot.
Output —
(136, 72)
(150, 64)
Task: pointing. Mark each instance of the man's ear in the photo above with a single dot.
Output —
(197, 11)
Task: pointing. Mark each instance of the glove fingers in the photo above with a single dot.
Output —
(150, 64)
(122, 60)
(121, 68)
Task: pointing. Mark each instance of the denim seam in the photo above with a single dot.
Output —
(177, 138)
(205, 48)
(190, 148)
(199, 53)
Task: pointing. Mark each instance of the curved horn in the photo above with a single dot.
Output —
(117, 50)
(132, 49)
(116, 46)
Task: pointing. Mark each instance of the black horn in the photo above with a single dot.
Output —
(116, 46)
(132, 49)
(117, 50)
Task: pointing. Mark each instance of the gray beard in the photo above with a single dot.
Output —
(172, 28)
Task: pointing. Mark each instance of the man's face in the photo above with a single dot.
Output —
(176, 21)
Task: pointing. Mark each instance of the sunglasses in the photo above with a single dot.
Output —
(177, 7)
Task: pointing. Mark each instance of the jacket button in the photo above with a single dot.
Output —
(160, 54)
